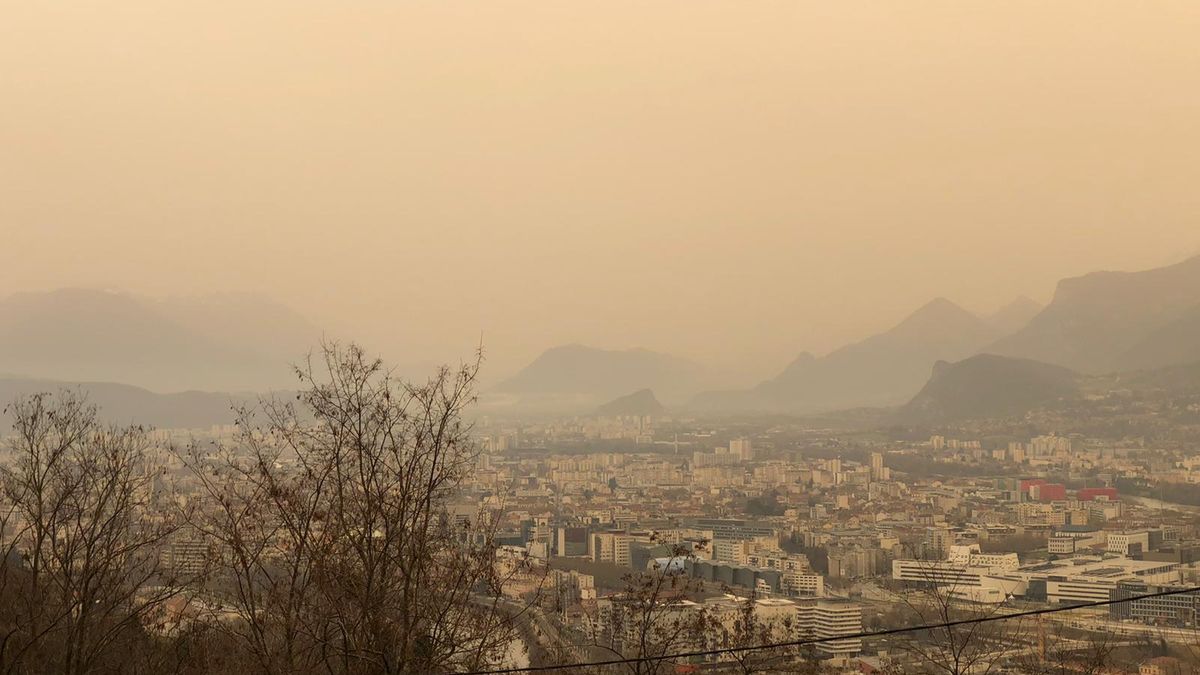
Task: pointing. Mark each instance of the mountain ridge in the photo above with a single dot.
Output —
(880, 370)
(1105, 321)
(122, 404)
(988, 385)
(1015, 315)
(580, 375)
(639, 403)
(77, 334)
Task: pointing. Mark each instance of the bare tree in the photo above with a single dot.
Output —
(1058, 650)
(748, 635)
(338, 553)
(652, 618)
(975, 643)
(80, 533)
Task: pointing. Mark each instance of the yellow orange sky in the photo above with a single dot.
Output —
(732, 181)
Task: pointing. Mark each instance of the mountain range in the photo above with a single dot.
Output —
(1097, 323)
(228, 342)
(125, 404)
(640, 403)
(1116, 321)
(987, 386)
(581, 377)
(884, 369)
(1102, 322)
(1015, 315)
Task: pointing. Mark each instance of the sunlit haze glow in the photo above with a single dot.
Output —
(727, 181)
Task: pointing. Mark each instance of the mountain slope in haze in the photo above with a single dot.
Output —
(125, 404)
(90, 335)
(257, 322)
(885, 369)
(640, 403)
(1176, 342)
(1114, 321)
(1178, 379)
(576, 375)
(1015, 315)
(987, 385)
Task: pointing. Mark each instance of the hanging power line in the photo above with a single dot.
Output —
(816, 641)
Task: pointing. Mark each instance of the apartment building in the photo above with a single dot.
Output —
(829, 619)
(612, 546)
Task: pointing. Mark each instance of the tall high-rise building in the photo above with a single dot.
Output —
(612, 546)
(572, 541)
(938, 541)
(878, 470)
(742, 448)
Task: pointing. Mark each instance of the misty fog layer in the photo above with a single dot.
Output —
(726, 182)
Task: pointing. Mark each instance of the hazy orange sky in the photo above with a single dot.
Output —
(732, 181)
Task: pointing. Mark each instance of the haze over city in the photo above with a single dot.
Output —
(728, 183)
(599, 338)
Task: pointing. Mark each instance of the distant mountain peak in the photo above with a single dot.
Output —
(1016, 314)
(105, 335)
(640, 403)
(1021, 301)
(940, 366)
(884, 369)
(940, 303)
(71, 298)
(937, 309)
(939, 315)
(987, 385)
(1110, 321)
(573, 347)
(580, 348)
(579, 373)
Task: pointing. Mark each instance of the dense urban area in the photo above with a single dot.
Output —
(845, 531)
(640, 543)
(629, 337)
